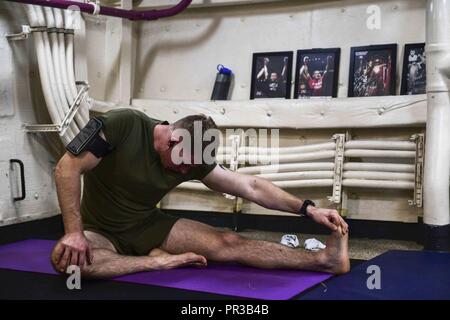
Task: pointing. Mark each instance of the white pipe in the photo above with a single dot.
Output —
(63, 61)
(69, 63)
(376, 175)
(36, 18)
(381, 184)
(437, 153)
(369, 166)
(381, 145)
(62, 56)
(359, 183)
(282, 184)
(307, 175)
(349, 145)
(50, 23)
(63, 104)
(354, 144)
(63, 67)
(282, 158)
(288, 150)
(39, 16)
(287, 167)
(196, 186)
(379, 153)
(304, 183)
(51, 75)
(84, 108)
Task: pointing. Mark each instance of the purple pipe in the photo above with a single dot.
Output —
(133, 15)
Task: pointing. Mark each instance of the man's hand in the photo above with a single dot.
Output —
(328, 217)
(72, 249)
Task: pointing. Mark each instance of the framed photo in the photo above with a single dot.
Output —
(414, 74)
(372, 71)
(271, 75)
(317, 73)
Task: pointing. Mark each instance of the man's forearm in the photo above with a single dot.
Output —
(68, 186)
(268, 195)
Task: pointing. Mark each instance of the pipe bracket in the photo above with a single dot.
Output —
(419, 139)
(339, 138)
(234, 161)
(65, 123)
(26, 31)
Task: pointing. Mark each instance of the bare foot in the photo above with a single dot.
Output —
(336, 254)
(172, 261)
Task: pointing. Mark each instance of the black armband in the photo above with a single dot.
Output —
(88, 139)
(305, 205)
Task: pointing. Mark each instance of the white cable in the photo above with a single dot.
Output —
(379, 153)
(39, 16)
(84, 108)
(304, 183)
(63, 60)
(289, 150)
(35, 18)
(63, 105)
(284, 158)
(63, 68)
(51, 72)
(48, 65)
(282, 184)
(377, 175)
(380, 145)
(307, 175)
(380, 184)
(370, 166)
(287, 167)
(282, 150)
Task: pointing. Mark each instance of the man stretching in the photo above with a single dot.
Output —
(118, 230)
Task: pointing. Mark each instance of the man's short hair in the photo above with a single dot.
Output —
(187, 123)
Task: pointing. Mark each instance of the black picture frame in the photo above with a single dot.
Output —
(266, 87)
(418, 86)
(319, 64)
(367, 82)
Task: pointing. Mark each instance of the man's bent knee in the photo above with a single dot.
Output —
(230, 240)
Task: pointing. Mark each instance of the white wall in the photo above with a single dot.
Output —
(177, 57)
(16, 108)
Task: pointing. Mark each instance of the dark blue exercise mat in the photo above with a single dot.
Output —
(404, 275)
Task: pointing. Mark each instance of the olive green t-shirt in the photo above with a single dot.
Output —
(123, 190)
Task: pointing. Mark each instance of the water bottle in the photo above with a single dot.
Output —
(222, 84)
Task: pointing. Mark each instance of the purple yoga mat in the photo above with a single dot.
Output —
(235, 280)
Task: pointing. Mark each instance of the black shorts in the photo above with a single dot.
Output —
(142, 238)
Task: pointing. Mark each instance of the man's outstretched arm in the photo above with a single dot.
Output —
(268, 195)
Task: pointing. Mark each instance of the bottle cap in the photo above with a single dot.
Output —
(223, 69)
